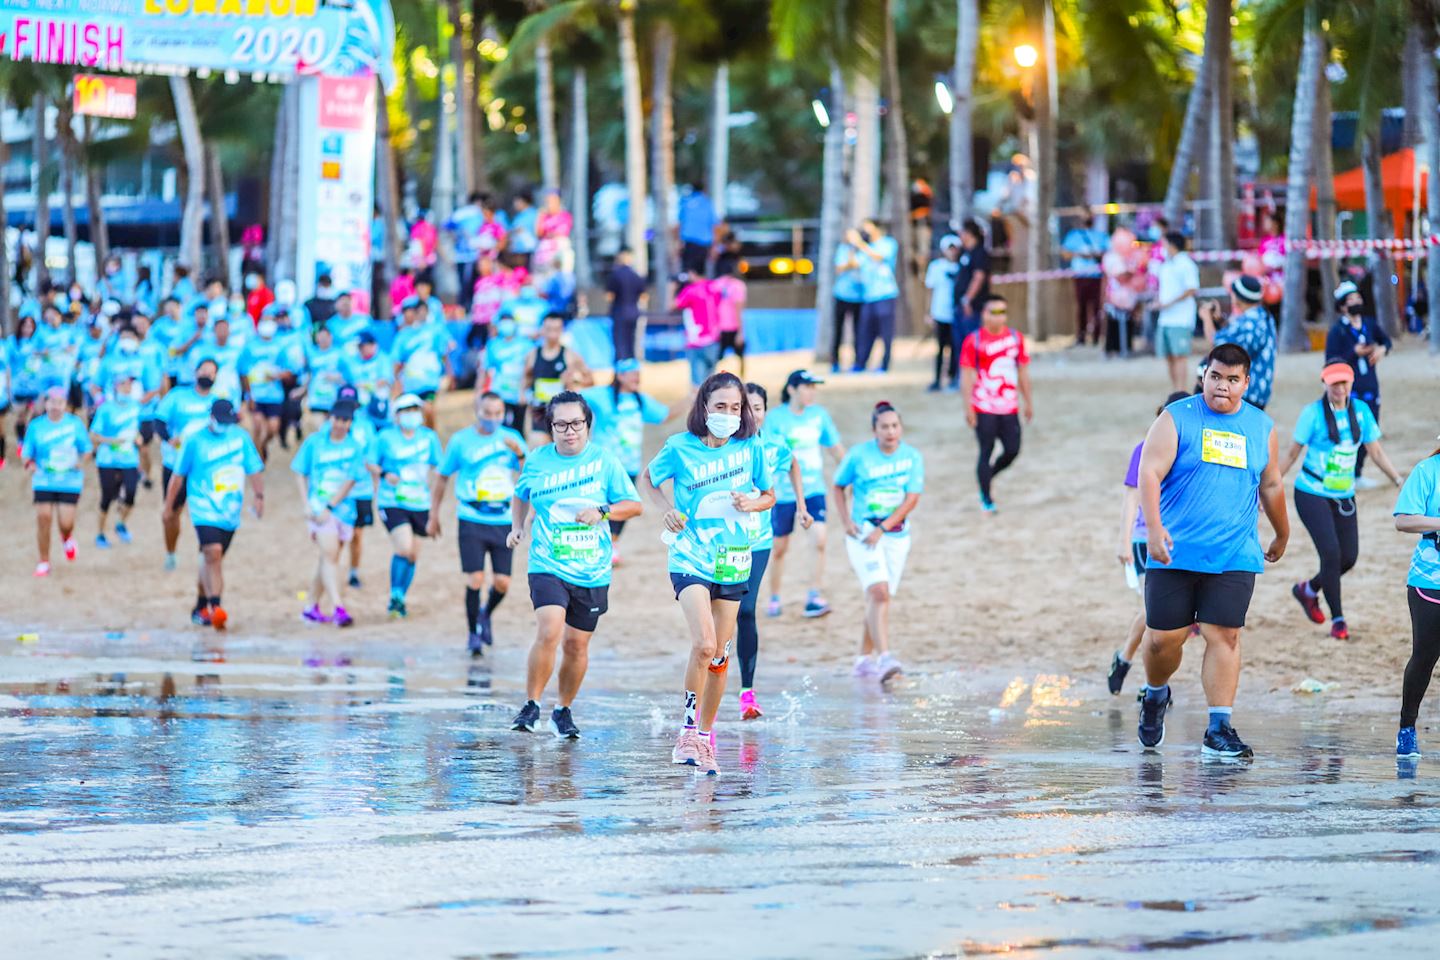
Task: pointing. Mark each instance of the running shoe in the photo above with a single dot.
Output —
(313, 614)
(888, 667)
(526, 719)
(72, 549)
(400, 610)
(1407, 744)
(123, 532)
(487, 633)
(687, 748)
(1152, 720)
(101, 542)
(1225, 743)
(1338, 631)
(705, 755)
(475, 644)
(815, 605)
(42, 569)
(354, 580)
(772, 609)
(749, 707)
(1118, 671)
(218, 617)
(200, 616)
(563, 724)
(987, 504)
(933, 388)
(864, 667)
(169, 562)
(341, 618)
(397, 607)
(1308, 601)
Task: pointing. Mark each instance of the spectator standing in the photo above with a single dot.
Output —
(730, 295)
(1123, 284)
(697, 230)
(972, 283)
(1251, 327)
(464, 226)
(626, 289)
(940, 281)
(1081, 250)
(878, 255)
(1360, 341)
(1176, 308)
(849, 293)
(523, 238)
(696, 302)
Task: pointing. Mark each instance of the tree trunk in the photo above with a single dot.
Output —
(287, 225)
(65, 133)
(545, 121)
(962, 91)
(442, 199)
(193, 219)
(580, 177)
(479, 9)
(4, 219)
(219, 216)
(1430, 130)
(388, 185)
(720, 138)
(897, 183)
(1187, 152)
(1297, 184)
(41, 158)
(865, 168)
(662, 160)
(94, 193)
(464, 178)
(1046, 161)
(1413, 61)
(634, 141)
(1377, 215)
(1325, 194)
(1220, 165)
(832, 215)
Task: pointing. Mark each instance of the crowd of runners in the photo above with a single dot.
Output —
(553, 463)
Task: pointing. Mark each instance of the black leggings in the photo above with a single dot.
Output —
(845, 312)
(990, 427)
(1424, 650)
(747, 635)
(118, 483)
(1335, 529)
(945, 342)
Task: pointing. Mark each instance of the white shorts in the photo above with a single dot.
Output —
(882, 563)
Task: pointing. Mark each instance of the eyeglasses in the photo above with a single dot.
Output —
(566, 426)
(997, 311)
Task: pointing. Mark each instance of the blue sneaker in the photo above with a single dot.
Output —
(987, 504)
(1407, 744)
(123, 532)
(354, 580)
(815, 605)
(102, 543)
(1152, 719)
(1226, 744)
(169, 562)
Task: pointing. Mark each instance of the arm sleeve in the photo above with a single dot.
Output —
(967, 353)
(619, 487)
(373, 455)
(760, 469)
(1369, 428)
(1381, 337)
(450, 463)
(829, 435)
(186, 463)
(1305, 425)
(652, 410)
(435, 452)
(1334, 347)
(526, 481)
(301, 463)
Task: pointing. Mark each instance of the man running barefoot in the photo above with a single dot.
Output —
(1209, 463)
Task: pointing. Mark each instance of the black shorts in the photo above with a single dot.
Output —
(364, 513)
(782, 518)
(394, 517)
(539, 419)
(584, 606)
(270, 411)
(718, 591)
(213, 535)
(165, 474)
(1175, 599)
(730, 340)
(515, 417)
(479, 539)
(56, 496)
(147, 430)
(118, 483)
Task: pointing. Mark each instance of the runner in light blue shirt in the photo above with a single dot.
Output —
(54, 452)
(115, 431)
(372, 373)
(324, 364)
(505, 355)
(401, 458)
(421, 353)
(328, 466)
(1417, 511)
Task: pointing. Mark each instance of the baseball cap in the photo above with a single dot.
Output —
(1337, 371)
(366, 337)
(343, 410)
(1248, 288)
(802, 376)
(1346, 288)
(408, 400)
(948, 241)
(409, 303)
(223, 411)
(628, 365)
(348, 392)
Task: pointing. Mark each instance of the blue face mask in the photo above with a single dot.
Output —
(410, 419)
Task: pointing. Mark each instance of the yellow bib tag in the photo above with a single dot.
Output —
(1226, 449)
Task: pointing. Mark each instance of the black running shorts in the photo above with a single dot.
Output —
(1175, 599)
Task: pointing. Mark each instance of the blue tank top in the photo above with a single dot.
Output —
(1210, 500)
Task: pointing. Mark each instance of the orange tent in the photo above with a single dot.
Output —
(1398, 178)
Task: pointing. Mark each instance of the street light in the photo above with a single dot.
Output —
(943, 96)
(1026, 55)
(822, 116)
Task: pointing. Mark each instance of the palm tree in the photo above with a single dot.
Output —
(94, 190)
(65, 133)
(388, 201)
(662, 158)
(192, 219)
(1192, 135)
(1297, 185)
(718, 173)
(1220, 162)
(634, 135)
(464, 172)
(580, 174)
(41, 156)
(897, 180)
(1325, 193)
(832, 214)
(219, 216)
(545, 121)
(962, 92)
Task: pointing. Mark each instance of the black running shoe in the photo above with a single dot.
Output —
(354, 581)
(1118, 671)
(1226, 744)
(1152, 720)
(563, 724)
(527, 718)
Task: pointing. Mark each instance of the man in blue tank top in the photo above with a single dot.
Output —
(1210, 462)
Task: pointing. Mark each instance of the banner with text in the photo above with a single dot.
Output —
(337, 174)
(105, 96)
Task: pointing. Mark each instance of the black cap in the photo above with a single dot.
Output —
(223, 411)
(802, 376)
(348, 392)
(343, 410)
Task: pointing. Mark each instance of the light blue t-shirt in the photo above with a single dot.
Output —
(486, 466)
(27, 366)
(1421, 497)
(88, 360)
(880, 483)
(1329, 468)
(262, 363)
(1089, 245)
(369, 377)
(848, 285)
(347, 331)
(364, 434)
(420, 352)
(118, 418)
(940, 281)
(59, 352)
(141, 367)
(777, 460)
(409, 459)
(326, 376)
(184, 413)
(505, 360)
(806, 434)
(716, 542)
(227, 363)
(327, 465)
(877, 277)
(558, 488)
(620, 424)
(528, 311)
(57, 447)
(215, 466)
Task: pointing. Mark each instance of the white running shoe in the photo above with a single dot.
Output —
(864, 667)
(888, 667)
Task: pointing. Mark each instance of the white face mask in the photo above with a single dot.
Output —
(266, 328)
(722, 426)
(410, 419)
(128, 346)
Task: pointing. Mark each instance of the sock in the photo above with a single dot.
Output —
(1219, 717)
(1122, 659)
(200, 602)
(1156, 693)
(1311, 587)
(472, 608)
(407, 575)
(704, 734)
(215, 600)
(493, 600)
(690, 699)
(397, 565)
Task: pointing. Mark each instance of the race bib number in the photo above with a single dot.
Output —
(228, 480)
(732, 565)
(410, 492)
(546, 389)
(1339, 470)
(575, 541)
(61, 460)
(1225, 449)
(493, 486)
(883, 501)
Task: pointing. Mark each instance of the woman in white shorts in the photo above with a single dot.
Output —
(879, 482)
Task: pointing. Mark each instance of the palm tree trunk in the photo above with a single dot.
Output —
(662, 160)
(832, 215)
(897, 182)
(1413, 61)
(41, 155)
(545, 103)
(219, 216)
(580, 176)
(1192, 137)
(634, 140)
(480, 175)
(464, 179)
(719, 173)
(1378, 216)
(94, 193)
(389, 202)
(4, 220)
(962, 91)
(1220, 165)
(193, 218)
(288, 242)
(865, 168)
(1297, 185)
(1430, 130)
(1325, 195)
(65, 133)
(442, 199)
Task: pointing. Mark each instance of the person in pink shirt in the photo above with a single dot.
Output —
(698, 308)
(491, 289)
(729, 292)
(402, 287)
(424, 238)
(1125, 279)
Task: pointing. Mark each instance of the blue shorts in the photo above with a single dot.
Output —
(782, 518)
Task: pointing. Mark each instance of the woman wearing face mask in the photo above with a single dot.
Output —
(400, 461)
(115, 431)
(328, 466)
(54, 451)
(722, 487)
(504, 361)
(25, 361)
(267, 371)
(621, 412)
(1331, 432)
(877, 486)
(1361, 342)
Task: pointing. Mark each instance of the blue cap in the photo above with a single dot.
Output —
(409, 303)
(628, 365)
(366, 337)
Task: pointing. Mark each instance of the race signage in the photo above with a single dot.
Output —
(98, 95)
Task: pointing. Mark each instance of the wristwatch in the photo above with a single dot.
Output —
(605, 511)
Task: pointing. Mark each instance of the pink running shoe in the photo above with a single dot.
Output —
(687, 748)
(705, 758)
(42, 569)
(313, 614)
(749, 708)
(71, 549)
